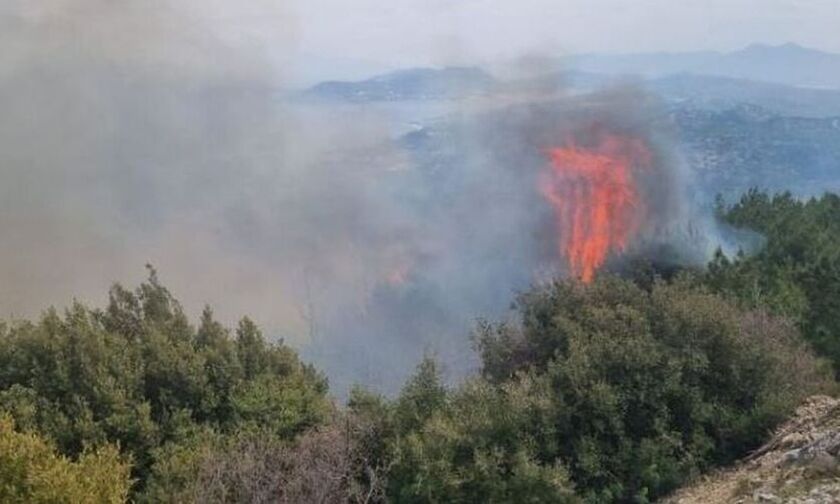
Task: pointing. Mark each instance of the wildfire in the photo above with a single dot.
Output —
(593, 192)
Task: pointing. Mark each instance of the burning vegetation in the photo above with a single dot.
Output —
(594, 194)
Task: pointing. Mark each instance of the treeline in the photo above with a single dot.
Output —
(797, 273)
(139, 378)
(618, 391)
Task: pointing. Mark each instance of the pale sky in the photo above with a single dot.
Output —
(410, 32)
(306, 39)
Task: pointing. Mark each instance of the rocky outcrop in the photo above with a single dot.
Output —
(799, 465)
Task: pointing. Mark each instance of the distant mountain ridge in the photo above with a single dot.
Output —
(410, 84)
(789, 64)
(736, 131)
(788, 79)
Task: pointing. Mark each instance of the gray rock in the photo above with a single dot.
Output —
(791, 457)
(824, 463)
(766, 497)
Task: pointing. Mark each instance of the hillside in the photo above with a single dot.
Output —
(700, 85)
(409, 84)
(735, 133)
(719, 93)
(728, 150)
(798, 465)
(732, 150)
(789, 64)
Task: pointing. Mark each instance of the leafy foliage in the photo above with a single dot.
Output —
(479, 446)
(797, 273)
(32, 472)
(139, 375)
(618, 392)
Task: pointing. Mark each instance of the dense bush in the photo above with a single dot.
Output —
(617, 392)
(32, 472)
(797, 272)
(481, 445)
(607, 392)
(138, 374)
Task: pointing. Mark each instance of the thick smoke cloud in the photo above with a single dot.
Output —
(157, 131)
(161, 131)
(478, 230)
(140, 131)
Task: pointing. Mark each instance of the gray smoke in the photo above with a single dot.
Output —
(161, 131)
(143, 131)
(477, 229)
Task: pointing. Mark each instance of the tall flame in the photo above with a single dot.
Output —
(593, 192)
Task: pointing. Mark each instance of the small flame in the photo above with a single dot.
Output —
(593, 192)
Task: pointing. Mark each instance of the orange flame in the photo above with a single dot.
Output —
(594, 195)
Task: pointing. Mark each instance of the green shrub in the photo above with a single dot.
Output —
(137, 374)
(640, 389)
(480, 446)
(797, 272)
(32, 472)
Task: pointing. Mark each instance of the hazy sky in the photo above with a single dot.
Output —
(440, 31)
(311, 39)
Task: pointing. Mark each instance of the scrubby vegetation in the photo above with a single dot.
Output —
(32, 472)
(797, 273)
(607, 392)
(617, 391)
(138, 375)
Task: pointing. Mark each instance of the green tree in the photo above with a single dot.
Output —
(797, 272)
(137, 374)
(32, 472)
(641, 389)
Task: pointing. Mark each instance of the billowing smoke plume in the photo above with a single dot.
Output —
(146, 131)
(493, 198)
(151, 131)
